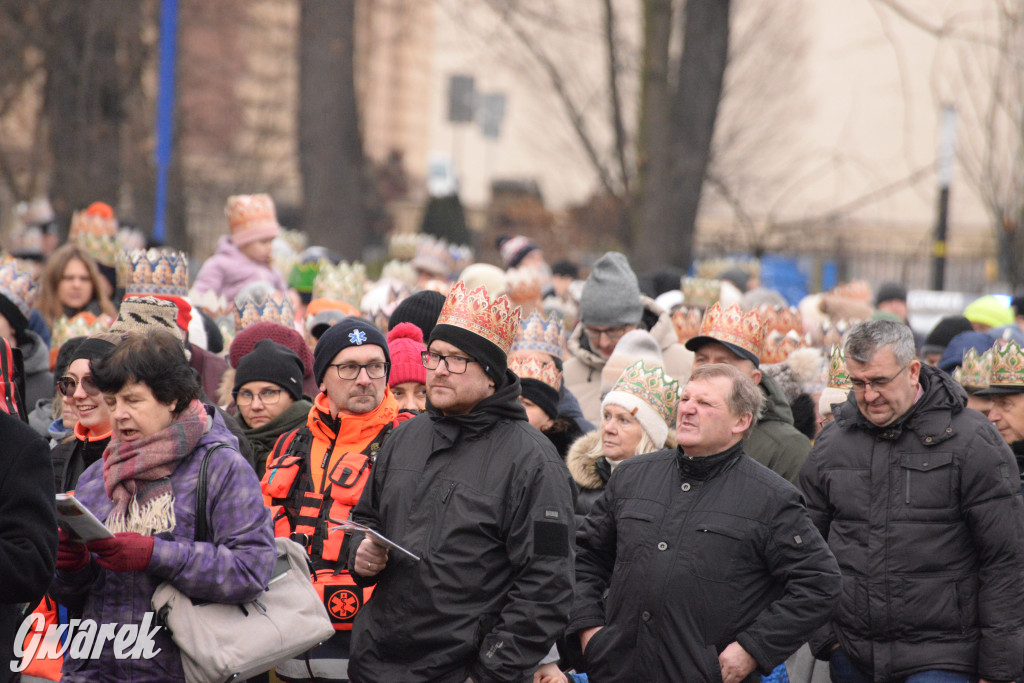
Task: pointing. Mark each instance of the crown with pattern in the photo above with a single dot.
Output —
(402, 246)
(1007, 370)
(433, 256)
(83, 324)
(652, 386)
(344, 282)
(778, 346)
(526, 367)
(700, 292)
(273, 308)
(495, 320)
(537, 333)
(782, 320)
(687, 322)
(155, 272)
(974, 369)
(95, 230)
(398, 270)
(732, 325)
(838, 375)
(834, 333)
(18, 285)
(525, 285)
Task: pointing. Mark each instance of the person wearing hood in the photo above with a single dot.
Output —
(610, 306)
(485, 502)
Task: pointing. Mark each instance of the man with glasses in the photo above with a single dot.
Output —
(610, 306)
(919, 499)
(484, 501)
(316, 473)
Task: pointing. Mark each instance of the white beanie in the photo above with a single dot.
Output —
(652, 397)
(633, 346)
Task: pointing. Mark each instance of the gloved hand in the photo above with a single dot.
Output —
(125, 552)
(71, 556)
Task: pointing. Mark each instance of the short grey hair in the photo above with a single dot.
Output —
(866, 338)
(744, 397)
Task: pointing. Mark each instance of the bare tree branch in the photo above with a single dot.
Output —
(619, 130)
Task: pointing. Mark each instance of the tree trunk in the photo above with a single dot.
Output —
(330, 144)
(676, 166)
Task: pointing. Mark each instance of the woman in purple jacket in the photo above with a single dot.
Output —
(144, 490)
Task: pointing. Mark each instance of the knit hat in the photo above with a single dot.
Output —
(943, 332)
(890, 291)
(93, 348)
(514, 249)
(611, 295)
(348, 332)
(635, 345)
(245, 341)
(64, 357)
(421, 309)
(141, 313)
(405, 344)
(270, 362)
(251, 218)
(17, 293)
(322, 313)
(989, 310)
(480, 326)
(540, 383)
(651, 395)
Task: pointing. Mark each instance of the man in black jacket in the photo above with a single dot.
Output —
(711, 564)
(920, 501)
(485, 502)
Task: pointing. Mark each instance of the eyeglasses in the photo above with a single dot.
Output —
(612, 333)
(375, 370)
(860, 385)
(268, 397)
(455, 364)
(68, 385)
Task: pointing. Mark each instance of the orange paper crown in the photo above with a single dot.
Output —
(527, 367)
(778, 346)
(732, 325)
(783, 320)
(687, 322)
(496, 321)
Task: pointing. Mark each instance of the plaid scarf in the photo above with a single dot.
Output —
(136, 475)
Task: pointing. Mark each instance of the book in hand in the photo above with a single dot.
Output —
(77, 522)
(379, 539)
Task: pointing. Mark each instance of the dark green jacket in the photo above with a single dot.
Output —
(774, 441)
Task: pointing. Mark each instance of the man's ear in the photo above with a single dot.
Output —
(756, 376)
(743, 424)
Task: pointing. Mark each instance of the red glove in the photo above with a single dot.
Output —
(125, 552)
(71, 556)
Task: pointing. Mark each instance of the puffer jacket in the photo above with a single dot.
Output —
(926, 520)
(229, 270)
(775, 442)
(581, 372)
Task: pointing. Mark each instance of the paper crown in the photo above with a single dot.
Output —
(687, 322)
(155, 272)
(95, 230)
(344, 282)
(782, 320)
(525, 285)
(461, 255)
(397, 270)
(838, 375)
(974, 369)
(537, 333)
(732, 325)
(652, 386)
(495, 320)
(247, 211)
(778, 346)
(834, 333)
(211, 303)
(273, 308)
(18, 285)
(433, 256)
(83, 324)
(700, 292)
(855, 289)
(1007, 368)
(526, 367)
(402, 246)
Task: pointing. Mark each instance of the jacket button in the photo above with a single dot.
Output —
(663, 546)
(646, 616)
(928, 439)
(685, 486)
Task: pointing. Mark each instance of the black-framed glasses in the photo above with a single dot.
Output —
(455, 364)
(67, 385)
(375, 370)
(860, 385)
(613, 333)
(268, 397)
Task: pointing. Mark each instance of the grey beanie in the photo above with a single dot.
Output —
(611, 295)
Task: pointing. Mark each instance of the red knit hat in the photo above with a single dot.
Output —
(405, 344)
(247, 339)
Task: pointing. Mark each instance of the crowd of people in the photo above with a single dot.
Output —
(618, 477)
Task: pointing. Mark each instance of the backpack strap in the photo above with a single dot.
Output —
(202, 523)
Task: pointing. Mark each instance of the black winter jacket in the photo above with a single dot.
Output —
(926, 520)
(71, 457)
(487, 504)
(697, 553)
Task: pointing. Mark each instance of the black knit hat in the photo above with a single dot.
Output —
(491, 358)
(890, 291)
(943, 332)
(544, 396)
(91, 348)
(421, 309)
(271, 362)
(340, 336)
(65, 357)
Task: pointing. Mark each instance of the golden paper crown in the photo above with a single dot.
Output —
(496, 321)
(1007, 366)
(344, 282)
(783, 320)
(778, 346)
(154, 272)
(525, 285)
(537, 333)
(745, 330)
(974, 370)
(653, 387)
(700, 292)
(526, 367)
(246, 211)
(687, 322)
(83, 324)
(273, 308)
(838, 375)
(95, 230)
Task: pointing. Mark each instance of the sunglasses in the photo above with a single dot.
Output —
(68, 385)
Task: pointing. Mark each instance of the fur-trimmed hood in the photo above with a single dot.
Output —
(584, 454)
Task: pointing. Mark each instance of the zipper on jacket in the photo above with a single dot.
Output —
(327, 458)
(448, 493)
(908, 486)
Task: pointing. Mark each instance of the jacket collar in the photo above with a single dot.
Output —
(709, 466)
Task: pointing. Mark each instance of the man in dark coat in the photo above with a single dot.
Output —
(711, 565)
(920, 501)
(485, 502)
